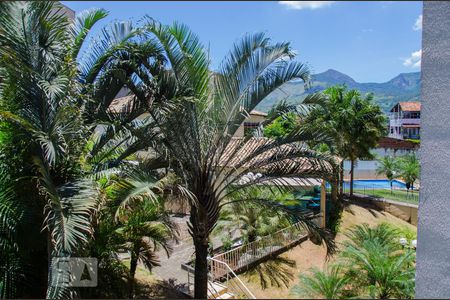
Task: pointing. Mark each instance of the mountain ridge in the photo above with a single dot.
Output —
(403, 87)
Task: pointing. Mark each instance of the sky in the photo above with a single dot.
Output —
(369, 41)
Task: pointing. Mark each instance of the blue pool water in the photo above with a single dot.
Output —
(376, 184)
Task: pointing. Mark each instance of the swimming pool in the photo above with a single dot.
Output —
(375, 184)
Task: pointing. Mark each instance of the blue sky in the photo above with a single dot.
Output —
(369, 41)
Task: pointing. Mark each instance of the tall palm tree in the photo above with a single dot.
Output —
(39, 102)
(328, 284)
(388, 167)
(195, 114)
(354, 123)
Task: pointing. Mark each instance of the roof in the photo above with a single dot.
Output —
(408, 106)
(253, 153)
(396, 144)
(120, 103)
(295, 181)
(258, 113)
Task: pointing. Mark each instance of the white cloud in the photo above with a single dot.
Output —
(418, 24)
(305, 4)
(414, 60)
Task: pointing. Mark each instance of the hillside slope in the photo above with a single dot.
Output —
(404, 87)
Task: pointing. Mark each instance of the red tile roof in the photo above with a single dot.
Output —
(249, 153)
(410, 106)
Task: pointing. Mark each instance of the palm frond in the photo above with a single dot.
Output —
(84, 22)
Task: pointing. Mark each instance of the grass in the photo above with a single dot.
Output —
(396, 195)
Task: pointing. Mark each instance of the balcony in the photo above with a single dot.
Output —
(398, 122)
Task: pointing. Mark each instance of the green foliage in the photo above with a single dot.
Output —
(388, 166)
(281, 126)
(53, 96)
(413, 141)
(249, 219)
(352, 124)
(328, 284)
(372, 264)
(409, 169)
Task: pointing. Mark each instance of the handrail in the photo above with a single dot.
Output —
(247, 254)
(248, 292)
(263, 237)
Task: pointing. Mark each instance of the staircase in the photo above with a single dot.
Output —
(221, 285)
(218, 290)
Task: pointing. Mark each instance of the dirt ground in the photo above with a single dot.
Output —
(308, 255)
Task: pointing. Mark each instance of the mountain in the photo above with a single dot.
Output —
(404, 87)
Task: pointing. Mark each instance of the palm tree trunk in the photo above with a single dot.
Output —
(201, 269)
(352, 169)
(341, 181)
(133, 267)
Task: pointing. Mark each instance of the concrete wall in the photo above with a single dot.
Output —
(404, 211)
(433, 248)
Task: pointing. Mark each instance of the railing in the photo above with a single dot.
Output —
(190, 282)
(233, 283)
(247, 254)
(397, 194)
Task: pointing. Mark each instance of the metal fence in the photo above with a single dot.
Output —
(395, 194)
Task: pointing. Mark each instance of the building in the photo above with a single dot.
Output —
(254, 121)
(404, 121)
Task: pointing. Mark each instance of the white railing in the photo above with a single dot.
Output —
(247, 254)
(233, 283)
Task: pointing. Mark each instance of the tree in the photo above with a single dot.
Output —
(387, 165)
(50, 106)
(200, 111)
(281, 126)
(377, 264)
(250, 220)
(144, 228)
(409, 169)
(353, 123)
(328, 284)
(41, 116)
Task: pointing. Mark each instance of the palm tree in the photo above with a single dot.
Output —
(250, 220)
(195, 114)
(383, 233)
(328, 284)
(377, 263)
(144, 228)
(354, 124)
(384, 272)
(388, 167)
(409, 170)
(39, 106)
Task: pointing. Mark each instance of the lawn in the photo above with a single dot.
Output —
(396, 195)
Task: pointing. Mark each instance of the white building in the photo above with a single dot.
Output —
(404, 121)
